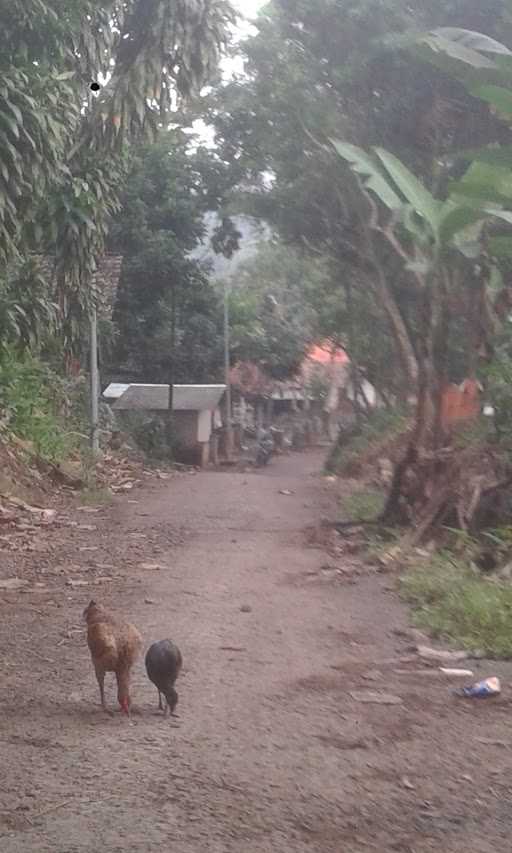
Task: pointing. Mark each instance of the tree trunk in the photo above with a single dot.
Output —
(426, 437)
(398, 327)
(353, 371)
(391, 309)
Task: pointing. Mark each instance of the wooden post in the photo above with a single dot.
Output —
(95, 393)
(205, 453)
(214, 447)
(227, 380)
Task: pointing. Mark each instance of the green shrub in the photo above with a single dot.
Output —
(351, 446)
(364, 505)
(153, 435)
(33, 402)
(453, 601)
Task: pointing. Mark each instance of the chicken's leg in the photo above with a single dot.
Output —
(100, 676)
(160, 706)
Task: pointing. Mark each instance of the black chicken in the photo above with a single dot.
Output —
(163, 665)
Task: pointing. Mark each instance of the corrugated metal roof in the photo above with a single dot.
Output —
(114, 390)
(155, 398)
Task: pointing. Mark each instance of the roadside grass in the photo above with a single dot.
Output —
(364, 505)
(362, 445)
(455, 603)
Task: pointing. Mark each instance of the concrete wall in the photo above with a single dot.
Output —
(204, 426)
(186, 428)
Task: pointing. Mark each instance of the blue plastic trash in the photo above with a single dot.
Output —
(481, 690)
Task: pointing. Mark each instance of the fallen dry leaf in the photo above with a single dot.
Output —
(13, 583)
(370, 697)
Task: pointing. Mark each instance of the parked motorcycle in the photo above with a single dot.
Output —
(264, 450)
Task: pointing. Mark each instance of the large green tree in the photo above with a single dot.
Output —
(272, 321)
(318, 70)
(168, 315)
(62, 160)
(403, 219)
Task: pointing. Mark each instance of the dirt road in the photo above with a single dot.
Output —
(271, 753)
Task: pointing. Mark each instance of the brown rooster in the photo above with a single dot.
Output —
(114, 647)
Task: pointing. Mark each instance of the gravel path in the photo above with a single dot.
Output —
(271, 753)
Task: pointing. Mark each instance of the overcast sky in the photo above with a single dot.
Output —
(233, 65)
(248, 7)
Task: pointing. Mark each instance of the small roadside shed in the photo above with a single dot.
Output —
(113, 391)
(195, 407)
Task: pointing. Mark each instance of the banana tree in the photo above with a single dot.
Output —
(436, 238)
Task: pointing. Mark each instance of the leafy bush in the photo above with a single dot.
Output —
(152, 435)
(364, 441)
(364, 505)
(453, 601)
(33, 402)
(27, 312)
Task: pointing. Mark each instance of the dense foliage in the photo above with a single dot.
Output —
(62, 152)
(318, 71)
(64, 157)
(165, 292)
(346, 135)
(273, 301)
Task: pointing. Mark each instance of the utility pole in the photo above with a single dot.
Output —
(95, 381)
(172, 369)
(227, 366)
(95, 384)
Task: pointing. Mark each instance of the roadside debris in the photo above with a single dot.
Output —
(245, 608)
(14, 511)
(440, 655)
(13, 584)
(286, 492)
(430, 672)
(232, 649)
(20, 523)
(456, 673)
(482, 689)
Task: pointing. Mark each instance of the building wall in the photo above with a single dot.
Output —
(186, 428)
(204, 426)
